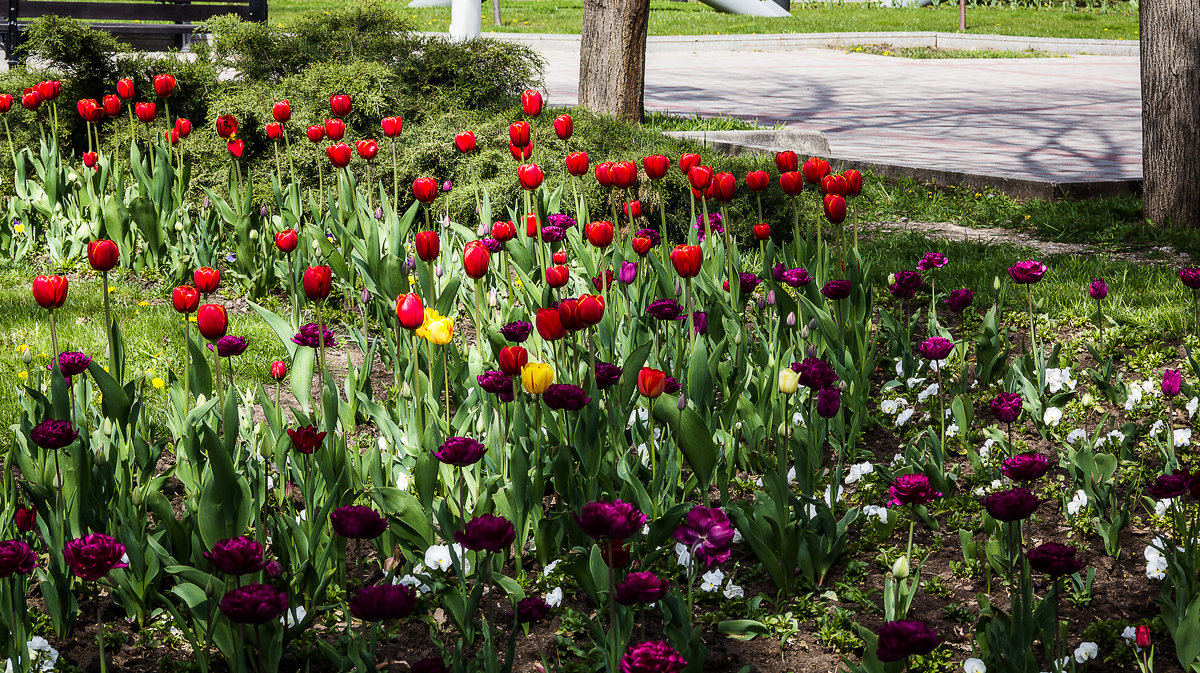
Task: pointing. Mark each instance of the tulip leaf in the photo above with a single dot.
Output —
(302, 373)
(692, 436)
(282, 328)
(743, 629)
(699, 379)
(407, 510)
(115, 402)
(146, 219)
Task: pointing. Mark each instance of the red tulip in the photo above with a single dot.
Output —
(518, 134)
(577, 163)
(568, 315)
(513, 358)
(756, 181)
(125, 88)
(531, 102)
(815, 169)
(1142, 636)
(792, 183)
(164, 85)
(49, 89)
(171, 136)
(213, 321)
(835, 184)
(90, 110)
(475, 259)
(90, 159)
(367, 149)
(145, 112)
(564, 126)
(762, 231)
(504, 231)
(392, 126)
(530, 176)
(339, 155)
(274, 131)
(557, 276)
(599, 234)
(315, 133)
(31, 99)
(787, 161)
(559, 257)
(183, 127)
(623, 174)
(282, 111)
(465, 142)
(651, 382)
(50, 292)
(854, 181)
(549, 324)
(287, 240)
(6, 102)
(206, 279)
(591, 309)
(410, 311)
(700, 177)
(335, 129)
(656, 166)
(520, 153)
(604, 173)
(339, 104)
(103, 255)
(687, 260)
(687, 161)
(428, 245)
(185, 298)
(227, 126)
(236, 147)
(835, 208)
(318, 282)
(425, 189)
(723, 187)
(642, 245)
(531, 225)
(112, 105)
(632, 209)
(279, 370)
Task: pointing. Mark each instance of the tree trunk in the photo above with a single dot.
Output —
(1170, 48)
(612, 57)
(496, 12)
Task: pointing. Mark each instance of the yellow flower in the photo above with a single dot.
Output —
(536, 377)
(20, 228)
(112, 288)
(788, 381)
(157, 382)
(191, 318)
(22, 348)
(1028, 216)
(22, 375)
(143, 303)
(437, 328)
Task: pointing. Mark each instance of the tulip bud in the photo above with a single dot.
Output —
(900, 568)
(138, 497)
(812, 351)
(813, 325)
(200, 400)
(107, 426)
(99, 459)
(204, 203)
(482, 230)
(682, 403)
(791, 319)
(264, 211)
(378, 213)
(804, 333)
(253, 234)
(365, 296)
(493, 298)
(27, 355)
(274, 570)
(405, 390)
(996, 283)
(762, 303)
(179, 227)
(770, 297)
(891, 279)
(788, 381)
(678, 288)
(437, 270)
(782, 430)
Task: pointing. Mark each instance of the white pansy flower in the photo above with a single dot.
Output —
(403, 481)
(554, 597)
(438, 558)
(1076, 435)
(682, 555)
(1058, 380)
(1133, 397)
(733, 591)
(1078, 503)
(711, 580)
(1085, 652)
(986, 448)
(1183, 436)
(737, 536)
(1052, 416)
(550, 567)
(914, 382)
(414, 582)
(876, 511)
(951, 430)
(1161, 507)
(903, 417)
(1192, 405)
(893, 405)
(1157, 427)
(974, 665)
(1156, 569)
(930, 391)
(293, 616)
(858, 471)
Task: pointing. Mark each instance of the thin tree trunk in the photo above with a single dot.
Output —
(1170, 49)
(612, 57)
(496, 12)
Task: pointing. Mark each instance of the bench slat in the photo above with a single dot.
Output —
(129, 11)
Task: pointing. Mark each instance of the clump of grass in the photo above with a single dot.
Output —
(934, 52)
(665, 121)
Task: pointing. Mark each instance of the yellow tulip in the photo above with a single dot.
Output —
(536, 377)
(440, 331)
(788, 381)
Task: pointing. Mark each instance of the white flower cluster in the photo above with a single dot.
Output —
(986, 448)
(893, 405)
(43, 657)
(857, 472)
(1085, 652)
(1058, 380)
(1134, 392)
(996, 485)
(928, 392)
(1075, 436)
(1078, 503)
(1156, 563)
(877, 512)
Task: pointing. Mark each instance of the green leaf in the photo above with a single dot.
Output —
(691, 434)
(282, 328)
(743, 629)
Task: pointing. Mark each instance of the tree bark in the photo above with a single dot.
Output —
(1170, 49)
(612, 57)
(496, 12)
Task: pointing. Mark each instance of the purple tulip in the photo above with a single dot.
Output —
(1011, 505)
(665, 309)
(1027, 466)
(1169, 486)
(795, 277)
(1190, 277)
(607, 375)
(641, 587)
(814, 373)
(358, 522)
(652, 234)
(553, 234)
(231, 346)
(1028, 272)
(16, 556)
(936, 348)
(92, 556)
(565, 396)
(310, 335)
(1171, 381)
(652, 657)
(700, 321)
(747, 282)
(901, 639)
(52, 435)
(614, 520)
(237, 556)
(706, 531)
(254, 604)
(1006, 407)
(560, 220)
(486, 532)
(912, 489)
(959, 300)
(517, 332)
(383, 602)
(73, 363)
(628, 273)
(532, 609)
(829, 400)
(906, 284)
(495, 382)
(1055, 559)
(836, 289)
(932, 260)
(495, 247)
(1098, 289)
(460, 451)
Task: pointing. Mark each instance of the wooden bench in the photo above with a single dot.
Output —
(151, 25)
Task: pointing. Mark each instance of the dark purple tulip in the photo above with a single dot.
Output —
(1171, 381)
(1098, 289)
(384, 601)
(641, 587)
(1169, 485)
(795, 277)
(254, 604)
(532, 609)
(561, 220)
(777, 272)
(706, 531)
(652, 657)
(1006, 407)
(16, 556)
(1028, 272)
(652, 234)
(936, 348)
(274, 570)
(912, 489)
(959, 300)
(829, 400)
(517, 332)
(614, 520)
(495, 247)
(1190, 278)
(700, 320)
(747, 282)
(1055, 559)
(92, 556)
(460, 451)
(495, 382)
(814, 373)
(672, 385)
(565, 396)
(628, 272)
(53, 435)
(73, 363)
(836, 289)
(665, 309)
(607, 375)
(898, 640)
(310, 335)
(306, 439)
(486, 532)
(553, 234)
(1026, 466)
(906, 284)
(237, 556)
(358, 522)
(932, 260)
(1011, 505)
(231, 346)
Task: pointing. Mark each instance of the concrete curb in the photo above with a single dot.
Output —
(759, 142)
(788, 41)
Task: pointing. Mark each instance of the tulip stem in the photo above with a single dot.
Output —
(108, 326)
(446, 383)
(416, 374)
(395, 178)
(1100, 323)
(653, 457)
(187, 365)
(217, 367)
(321, 352)
(479, 329)
(100, 634)
(53, 340)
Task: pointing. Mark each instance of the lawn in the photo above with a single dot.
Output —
(677, 18)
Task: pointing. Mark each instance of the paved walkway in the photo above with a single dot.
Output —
(1058, 119)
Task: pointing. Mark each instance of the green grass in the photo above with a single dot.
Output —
(691, 18)
(931, 52)
(665, 121)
